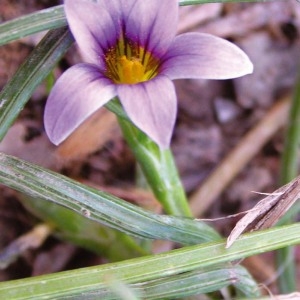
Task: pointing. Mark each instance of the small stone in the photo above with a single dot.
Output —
(226, 110)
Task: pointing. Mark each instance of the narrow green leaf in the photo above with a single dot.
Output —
(32, 72)
(199, 282)
(87, 282)
(289, 170)
(42, 184)
(45, 19)
(68, 225)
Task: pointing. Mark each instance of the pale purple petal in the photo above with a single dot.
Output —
(95, 26)
(77, 94)
(196, 55)
(152, 107)
(152, 23)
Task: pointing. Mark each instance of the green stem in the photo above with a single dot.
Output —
(159, 169)
(289, 164)
(289, 170)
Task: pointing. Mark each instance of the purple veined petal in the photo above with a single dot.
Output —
(77, 94)
(95, 26)
(152, 107)
(203, 56)
(153, 23)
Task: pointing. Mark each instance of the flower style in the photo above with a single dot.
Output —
(131, 50)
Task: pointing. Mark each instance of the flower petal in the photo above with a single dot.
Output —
(152, 107)
(152, 24)
(95, 26)
(78, 93)
(197, 55)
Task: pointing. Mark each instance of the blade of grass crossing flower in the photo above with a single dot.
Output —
(33, 71)
(45, 185)
(187, 259)
(45, 19)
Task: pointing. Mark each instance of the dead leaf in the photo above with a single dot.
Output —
(31, 240)
(268, 211)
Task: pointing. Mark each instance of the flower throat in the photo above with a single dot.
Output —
(128, 63)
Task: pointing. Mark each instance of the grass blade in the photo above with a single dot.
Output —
(88, 282)
(32, 72)
(45, 19)
(289, 170)
(42, 184)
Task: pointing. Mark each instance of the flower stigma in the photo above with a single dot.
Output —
(129, 63)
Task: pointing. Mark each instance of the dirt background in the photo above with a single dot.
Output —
(214, 118)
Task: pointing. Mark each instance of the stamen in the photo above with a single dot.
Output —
(128, 63)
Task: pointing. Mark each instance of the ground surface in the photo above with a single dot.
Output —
(213, 118)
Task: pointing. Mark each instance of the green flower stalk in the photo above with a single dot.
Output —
(159, 169)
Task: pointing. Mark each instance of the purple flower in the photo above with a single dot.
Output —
(131, 51)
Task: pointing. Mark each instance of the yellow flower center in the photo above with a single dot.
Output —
(127, 63)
